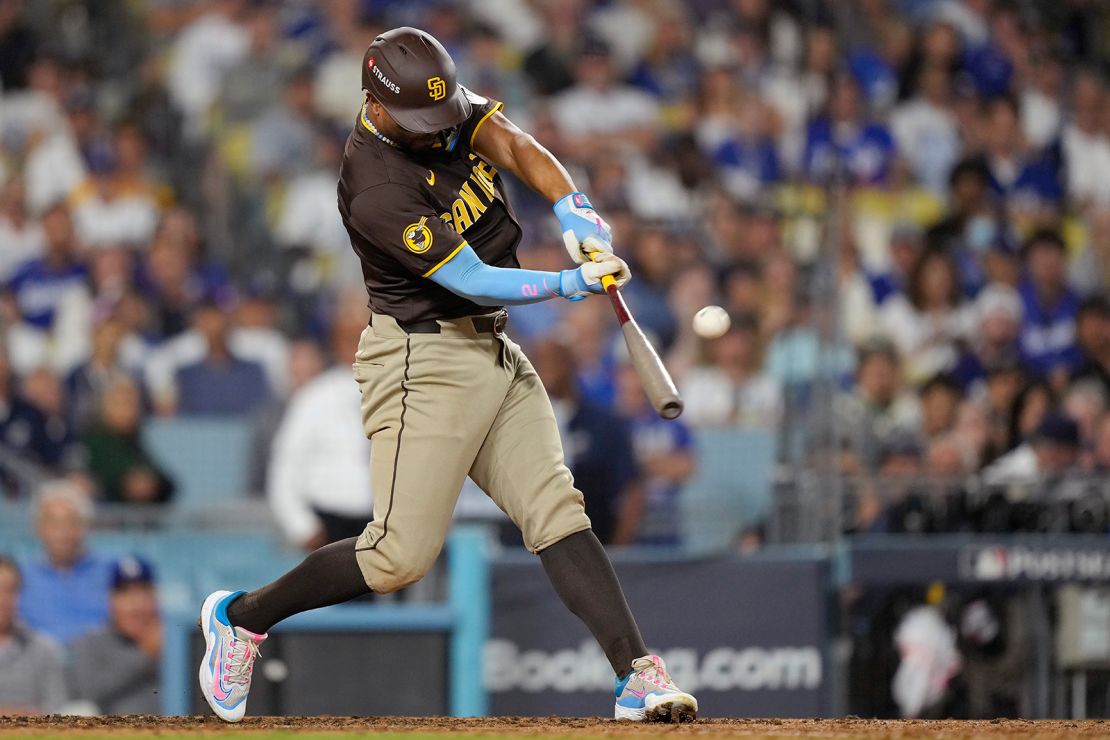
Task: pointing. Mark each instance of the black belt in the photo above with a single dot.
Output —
(482, 324)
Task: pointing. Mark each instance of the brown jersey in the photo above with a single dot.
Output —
(408, 213)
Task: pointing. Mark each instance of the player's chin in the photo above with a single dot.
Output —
(420, 142)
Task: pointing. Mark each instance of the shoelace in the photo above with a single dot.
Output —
(651, 672)
(240, 662)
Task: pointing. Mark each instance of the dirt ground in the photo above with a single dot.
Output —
(553, 727)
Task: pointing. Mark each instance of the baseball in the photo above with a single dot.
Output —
(711, 322)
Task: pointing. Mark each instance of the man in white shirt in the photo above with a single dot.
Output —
(318, 481)
(926, 132)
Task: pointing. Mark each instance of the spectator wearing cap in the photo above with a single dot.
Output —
(222, 383)
(118, 666)
(122, 469)
(1052, 451)
(1048, 332)
(32, 666)
(65, 593)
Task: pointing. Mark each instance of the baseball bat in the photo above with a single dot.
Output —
(658, 385)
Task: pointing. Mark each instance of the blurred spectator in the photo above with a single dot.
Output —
(318, 482)
(43, 390)
(65, 593)
(22, 236)
(32, 666)
(110, 208)
(281, 136)
(23, 433)
(992, 340)
(1092, 331)
(665, 453)
(928, 321)
(973, 231)
(55, 163)
(730, 388)
(843, 145)
(875, 408)
(1101, 456)
(903, 249)
(1019, 175)
(1052, 450)
(123, 471)
(925, 129)
(41, 285)
(117, 667)
(1084, 144)
(940, 401)
(598, 113)
(598, 447)
(221, 384)
(1048, 335)
(87, 385)
(18, 45)
(247, 86)
(205, 49)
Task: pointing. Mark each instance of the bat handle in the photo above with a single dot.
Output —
(607, 281)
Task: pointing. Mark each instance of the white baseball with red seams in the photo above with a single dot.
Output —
(711, 322)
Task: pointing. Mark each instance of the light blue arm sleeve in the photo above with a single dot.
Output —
(466, 275)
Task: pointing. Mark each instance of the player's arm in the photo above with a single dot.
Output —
(465, 274)
(506, 146)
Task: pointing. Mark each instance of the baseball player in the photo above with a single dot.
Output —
(445, 392)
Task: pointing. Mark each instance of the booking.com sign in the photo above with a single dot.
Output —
(585, 668)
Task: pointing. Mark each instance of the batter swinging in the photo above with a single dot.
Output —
(445, 392)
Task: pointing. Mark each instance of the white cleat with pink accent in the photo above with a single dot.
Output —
(649, 695)
(225, 671)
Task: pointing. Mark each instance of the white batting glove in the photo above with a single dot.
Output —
(584, 232)
(580, 282)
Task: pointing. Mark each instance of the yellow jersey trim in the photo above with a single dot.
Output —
(445, 260)
(498, 106)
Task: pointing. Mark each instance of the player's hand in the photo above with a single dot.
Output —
(604, 264)
(578, 283)
(584, 232)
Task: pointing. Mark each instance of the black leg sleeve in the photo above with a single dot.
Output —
(582, 575)
(328, 576)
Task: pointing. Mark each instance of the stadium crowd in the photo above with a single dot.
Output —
(170, 245)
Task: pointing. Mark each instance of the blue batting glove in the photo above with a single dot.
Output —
(584, 232)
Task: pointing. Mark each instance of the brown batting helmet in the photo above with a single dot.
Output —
(413, 77)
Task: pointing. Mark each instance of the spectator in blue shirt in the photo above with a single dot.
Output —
(1024, 178)
(65, 594)
(665, 453)
(1048, 341)
(843, 143)
(221, 384)
(40, 285)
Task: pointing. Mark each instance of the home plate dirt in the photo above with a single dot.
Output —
(166, 728)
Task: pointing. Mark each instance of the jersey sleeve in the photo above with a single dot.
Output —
(399, 221)
(481, 109)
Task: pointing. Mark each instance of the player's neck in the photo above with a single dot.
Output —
(369, 124)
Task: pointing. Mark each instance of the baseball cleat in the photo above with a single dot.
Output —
(230, 652)
(649, 695)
